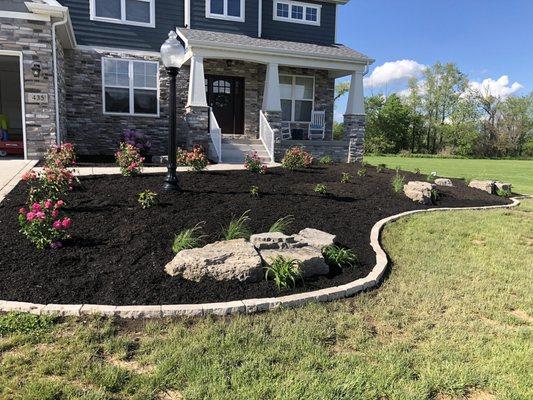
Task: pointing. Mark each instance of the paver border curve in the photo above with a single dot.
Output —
(243, 306)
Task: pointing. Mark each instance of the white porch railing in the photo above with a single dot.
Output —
(216, 134)
(266, 134)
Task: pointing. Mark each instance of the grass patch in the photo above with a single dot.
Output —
(15, 322)
(517, 172)
(453, 319)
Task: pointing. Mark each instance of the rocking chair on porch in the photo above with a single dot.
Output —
(317, 125)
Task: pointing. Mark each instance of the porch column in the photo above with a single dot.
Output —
(196, 110)
(197, 97)
(272, 106)
(354, 118)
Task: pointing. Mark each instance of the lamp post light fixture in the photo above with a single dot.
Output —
(36, 70)
(173, 57)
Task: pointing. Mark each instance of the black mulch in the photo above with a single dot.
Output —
(118, 251)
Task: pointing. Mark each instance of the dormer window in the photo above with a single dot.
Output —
(294, 11)
(128, 12)
(232, 10)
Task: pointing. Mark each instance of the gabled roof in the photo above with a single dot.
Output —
(194, 37)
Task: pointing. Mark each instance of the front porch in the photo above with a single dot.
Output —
(282, 100)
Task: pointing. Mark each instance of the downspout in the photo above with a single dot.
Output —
(56, 83)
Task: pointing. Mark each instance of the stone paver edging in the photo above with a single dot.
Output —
(241, 306)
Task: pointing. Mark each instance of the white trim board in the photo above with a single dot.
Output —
(123, 20)
(20, 56)
(26, 16)
(290, 19)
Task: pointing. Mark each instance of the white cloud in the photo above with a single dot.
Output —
(393, 72)
(497, 88)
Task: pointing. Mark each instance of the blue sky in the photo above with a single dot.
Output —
(487, 39)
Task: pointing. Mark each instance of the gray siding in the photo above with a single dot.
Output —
(168, 14)
(248, 27)
(280, 30)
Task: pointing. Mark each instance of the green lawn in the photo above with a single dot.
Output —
(454, 320)
(518, 172)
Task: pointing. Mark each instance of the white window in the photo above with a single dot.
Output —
(130, 87)
(129, 12)
(232, 10)
(297, 97)
(293, 11)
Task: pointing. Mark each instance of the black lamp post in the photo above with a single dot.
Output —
(173, 56)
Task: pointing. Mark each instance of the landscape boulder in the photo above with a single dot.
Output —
(225, 260)
(310, 257)
(443, 182)
(275, 240)
(315, 237)
(419, 192)
(486, 186)
(503, 186)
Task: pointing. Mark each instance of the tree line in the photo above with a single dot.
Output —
(442, 114)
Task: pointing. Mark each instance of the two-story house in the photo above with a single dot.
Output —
(258, 71)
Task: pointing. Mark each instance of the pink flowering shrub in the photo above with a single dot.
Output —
(296, 157)
(62, 156)
(129, 160)
(43, 223)
(49, 183)
(196, 159)
(253, 163)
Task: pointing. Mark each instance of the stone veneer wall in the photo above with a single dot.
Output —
(97, 134)
(34, 40)
(354, 131)
(336, 149)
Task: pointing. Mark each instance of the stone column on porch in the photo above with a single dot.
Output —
(272, 106)
(354, 118)
(197, 110)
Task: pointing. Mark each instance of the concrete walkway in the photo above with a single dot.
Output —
(10, 173)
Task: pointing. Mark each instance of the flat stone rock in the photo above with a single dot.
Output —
(225, 260)
(443, 182)
(503, 186)
(486, 186)
(312, 261)
(274, 240)
(418, 191)
(315, 237)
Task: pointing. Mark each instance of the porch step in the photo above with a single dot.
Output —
(234, 150)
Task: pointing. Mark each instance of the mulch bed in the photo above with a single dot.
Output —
(118, 251)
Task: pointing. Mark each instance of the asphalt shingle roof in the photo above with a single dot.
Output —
(232, 39)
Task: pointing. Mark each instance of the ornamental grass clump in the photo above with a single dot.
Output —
(188, 238)
(282, 224)
(339, 256)
(44, 225)
(284, 272)
(129, 159)
(398, 182)
(253, 163)
(147, 199)
(237, 228)
(296, 157)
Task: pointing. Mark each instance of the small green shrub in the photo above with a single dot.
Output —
(237, 228)
(434, 194)
(321, 189)
(467, 180)
(339, 256)
(361, 171)
(17, 322)
(325, 160)
(284, 272)
(188, 238)
(282, 224)
(417, 171)
(296, 157)
(254, 191)
(380, 167)
(147, 199)
(397, 182)
(503, 193)
(346, 177)
(431, 177)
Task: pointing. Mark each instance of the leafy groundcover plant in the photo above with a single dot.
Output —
(129, 159)
(346, 177)
(325, 160)
(339, 256)
(44, 225)
(284, 272)
(321, 189)
(254, 191)
(296, 157)
(147, 199)
(252, 163)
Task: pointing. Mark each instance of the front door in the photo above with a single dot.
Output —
(225, 95)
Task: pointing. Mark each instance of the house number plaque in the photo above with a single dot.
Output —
(36, 98)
